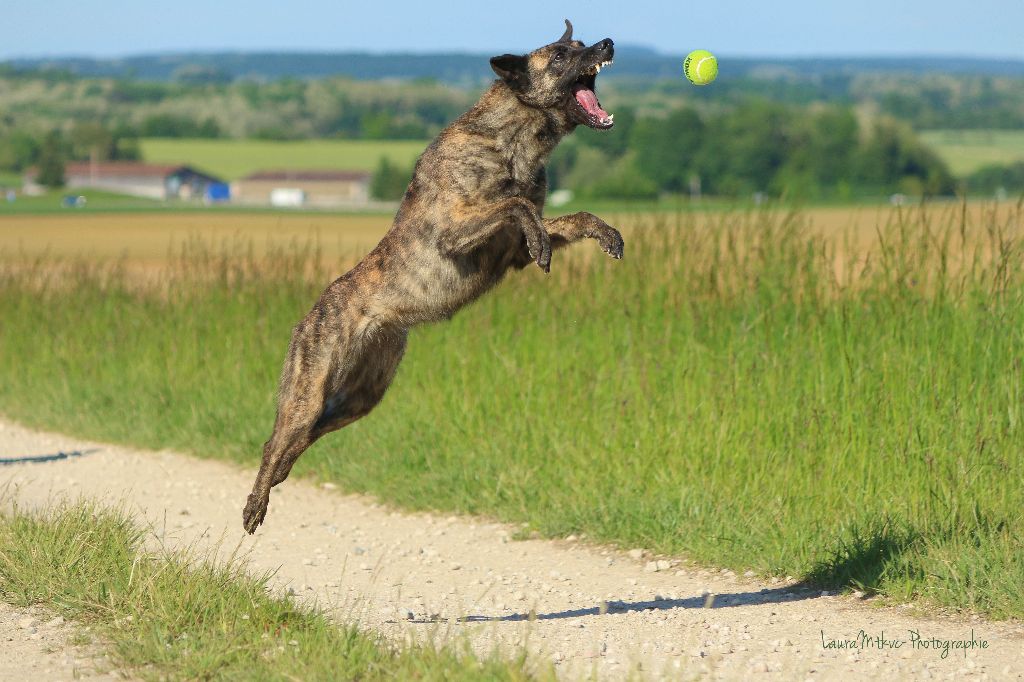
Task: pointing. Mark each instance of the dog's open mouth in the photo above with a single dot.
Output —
(586, 99)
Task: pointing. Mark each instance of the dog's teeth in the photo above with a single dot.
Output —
(598, 68)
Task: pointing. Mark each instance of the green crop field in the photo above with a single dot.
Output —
(740, 389)
(968, 150)
(233, 159)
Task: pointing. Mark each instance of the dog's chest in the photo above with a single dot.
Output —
(525, 154)
(522, 178)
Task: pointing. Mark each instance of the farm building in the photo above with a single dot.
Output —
(323, 188)
(140, 179)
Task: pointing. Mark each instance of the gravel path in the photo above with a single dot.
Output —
(35, 645)
(588, 609)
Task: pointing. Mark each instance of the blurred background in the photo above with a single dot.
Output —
(327, 105)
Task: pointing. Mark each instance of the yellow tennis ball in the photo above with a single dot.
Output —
(701, 67)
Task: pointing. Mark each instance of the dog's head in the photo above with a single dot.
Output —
(560, 77)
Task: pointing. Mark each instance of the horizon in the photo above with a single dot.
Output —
(788, 29)
(474, 53)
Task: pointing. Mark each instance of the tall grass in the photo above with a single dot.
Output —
(737, 390)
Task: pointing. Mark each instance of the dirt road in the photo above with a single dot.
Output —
(36, 645)
(586, 608)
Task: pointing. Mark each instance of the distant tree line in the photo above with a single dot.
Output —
(201, 105)
(202, 101)
(663, 142)
(758, 147)
(51, 150)
(998, 179)
(925, 92)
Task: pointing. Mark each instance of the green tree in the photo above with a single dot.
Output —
(173, 125)
(376, 126)
(94, 141)
(51, 161)
(209, 129)
(744, 149)
(126, 143)
(389, 181)
(895, 160)
(18, 151)
(382, 125)
(820, 150)
(668, 149)
(91, 141)
(623, 182)
(992, 178)
(561, 163)
(614, 142)
(590, 166)
(834, 137)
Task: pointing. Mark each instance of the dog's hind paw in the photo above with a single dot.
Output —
(254, 513)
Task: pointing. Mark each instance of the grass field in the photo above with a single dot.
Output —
(233, 159)
(97, 201)
(169, 617)
(968, 150)
(743, 389)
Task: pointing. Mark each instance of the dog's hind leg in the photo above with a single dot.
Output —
(356, 393)
(307, 370)
(328, 382)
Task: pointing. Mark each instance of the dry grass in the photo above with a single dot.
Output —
(144, 241)
(152, 240)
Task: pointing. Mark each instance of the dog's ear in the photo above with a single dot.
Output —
(567, 36)
(511, 68)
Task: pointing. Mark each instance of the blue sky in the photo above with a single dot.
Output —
(990, 28)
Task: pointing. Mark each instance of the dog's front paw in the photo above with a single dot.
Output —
(539, 243)
(611, 243)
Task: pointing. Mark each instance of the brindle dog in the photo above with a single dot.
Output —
(472, 211)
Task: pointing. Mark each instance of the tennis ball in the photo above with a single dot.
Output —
(701, 67)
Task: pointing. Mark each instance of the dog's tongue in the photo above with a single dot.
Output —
(588, 100)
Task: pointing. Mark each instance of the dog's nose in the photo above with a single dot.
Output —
(605, 45)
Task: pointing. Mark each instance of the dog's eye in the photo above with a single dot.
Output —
(559, 56)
